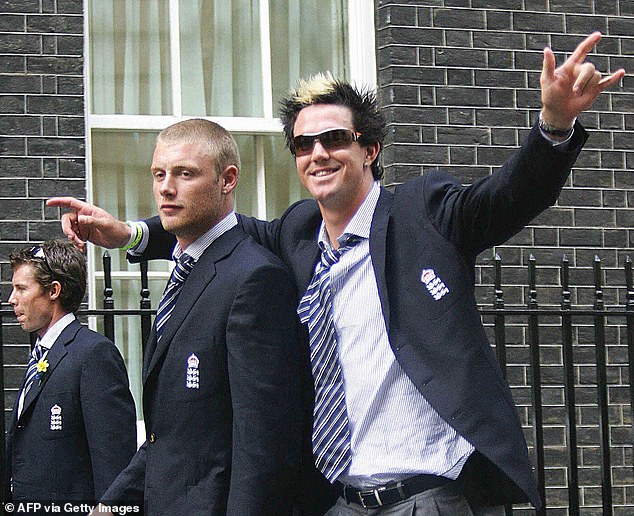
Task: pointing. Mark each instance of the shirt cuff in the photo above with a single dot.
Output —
(559, 145)
(139, 249)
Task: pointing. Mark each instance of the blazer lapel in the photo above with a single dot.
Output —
(307, 254)
(378, 248)
(53, 357)
(201, 275)
(305, 251)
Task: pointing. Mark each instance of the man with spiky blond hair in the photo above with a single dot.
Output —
(412, 415)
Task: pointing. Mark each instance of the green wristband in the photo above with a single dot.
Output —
(135, 236)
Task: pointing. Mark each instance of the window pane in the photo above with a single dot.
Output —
(220, 58)
(306, 38)
(122, 183)
(129, 57)
(282, 184)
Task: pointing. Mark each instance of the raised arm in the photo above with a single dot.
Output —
(573, 87)
(491, 210)
(88, 223)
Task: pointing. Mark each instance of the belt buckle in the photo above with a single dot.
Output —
(374, 493)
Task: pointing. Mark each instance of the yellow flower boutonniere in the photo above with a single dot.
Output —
(42, 367)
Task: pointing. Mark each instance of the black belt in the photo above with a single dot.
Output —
(392, 492)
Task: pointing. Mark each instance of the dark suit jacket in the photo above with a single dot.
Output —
(432, 222)
(232, 444)
(79, 458)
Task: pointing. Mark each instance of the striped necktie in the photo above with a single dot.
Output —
(331, 434)
(31, 370)
(183, 267)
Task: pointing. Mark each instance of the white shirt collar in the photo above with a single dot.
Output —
(360, 222)
(198, 247)
(55, 331)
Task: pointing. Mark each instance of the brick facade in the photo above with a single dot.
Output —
(42, 144)
(459, 81)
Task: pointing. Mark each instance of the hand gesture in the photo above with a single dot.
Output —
(573, 87)
(88, 223)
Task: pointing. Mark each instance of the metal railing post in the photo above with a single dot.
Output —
(146, 304)
(569, 389)
(602, 389)
(536, 383)
(108, 301)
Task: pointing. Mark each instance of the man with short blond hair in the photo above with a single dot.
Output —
(221, 370)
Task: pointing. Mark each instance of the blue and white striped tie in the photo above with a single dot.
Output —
(331, 434)
(183, 267)
(31, 370)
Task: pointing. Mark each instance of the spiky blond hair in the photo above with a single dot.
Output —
(309, 90)
(323, 88)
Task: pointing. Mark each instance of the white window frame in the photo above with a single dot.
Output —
(362, 65)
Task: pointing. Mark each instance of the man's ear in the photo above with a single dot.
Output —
(372, 151)
(55, 290)
(229, 179)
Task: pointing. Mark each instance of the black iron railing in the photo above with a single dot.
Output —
(599, 314)
(498, 318)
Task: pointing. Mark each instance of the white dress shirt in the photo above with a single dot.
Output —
(395, 433)
(47, 342)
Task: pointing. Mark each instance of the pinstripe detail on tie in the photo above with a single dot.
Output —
(31, 370)
(183, 267)
(331, 434)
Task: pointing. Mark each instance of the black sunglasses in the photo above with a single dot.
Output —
(330, 139)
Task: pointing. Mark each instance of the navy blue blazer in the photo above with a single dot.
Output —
(221, 392)
(433, 223)
(77, 430)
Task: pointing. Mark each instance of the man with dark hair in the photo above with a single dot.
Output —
(412, 414)
(73, 428)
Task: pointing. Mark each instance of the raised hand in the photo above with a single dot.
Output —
(88, 223)
(573, 87)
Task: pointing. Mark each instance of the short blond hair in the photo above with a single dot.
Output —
(220, 145)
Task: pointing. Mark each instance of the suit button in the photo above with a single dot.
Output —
(152, 438)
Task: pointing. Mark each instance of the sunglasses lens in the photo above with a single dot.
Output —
(303, 144)
(329, 139)
(335, 138)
